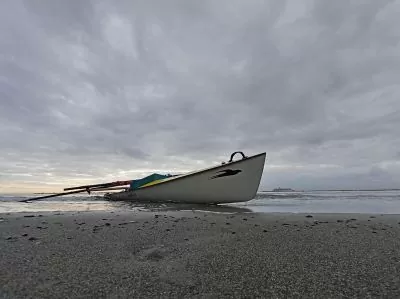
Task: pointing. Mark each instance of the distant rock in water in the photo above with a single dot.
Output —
(282, 190)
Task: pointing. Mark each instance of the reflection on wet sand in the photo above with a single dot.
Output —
(182, 207)
(51, 206)
(101, 205)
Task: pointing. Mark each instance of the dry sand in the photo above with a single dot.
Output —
(173, 254)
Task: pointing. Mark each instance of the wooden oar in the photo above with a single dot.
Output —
(73, 192)
(104, 185)
(53, 195)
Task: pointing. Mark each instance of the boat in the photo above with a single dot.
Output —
(228, 182)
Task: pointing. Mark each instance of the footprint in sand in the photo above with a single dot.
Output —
(153, 254)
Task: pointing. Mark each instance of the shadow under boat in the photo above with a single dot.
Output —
(154, 206)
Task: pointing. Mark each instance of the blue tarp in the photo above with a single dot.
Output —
(150, 178)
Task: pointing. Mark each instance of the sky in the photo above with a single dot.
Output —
(95, 91)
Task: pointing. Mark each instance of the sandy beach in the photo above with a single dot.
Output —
(192, 254)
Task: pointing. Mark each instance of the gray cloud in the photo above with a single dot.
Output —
(97, 90)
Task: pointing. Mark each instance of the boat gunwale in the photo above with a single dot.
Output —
(173, 179)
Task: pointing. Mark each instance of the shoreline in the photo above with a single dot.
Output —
(107, 206)
(175, 254)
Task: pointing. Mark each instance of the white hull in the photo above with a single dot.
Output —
(236, 181)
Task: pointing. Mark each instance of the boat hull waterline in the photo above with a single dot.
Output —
(233, 181)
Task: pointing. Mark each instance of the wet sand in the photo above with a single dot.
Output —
(186, 254)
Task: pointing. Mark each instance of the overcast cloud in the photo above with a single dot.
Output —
(92, 91)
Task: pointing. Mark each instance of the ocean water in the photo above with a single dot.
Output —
(368, 202)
